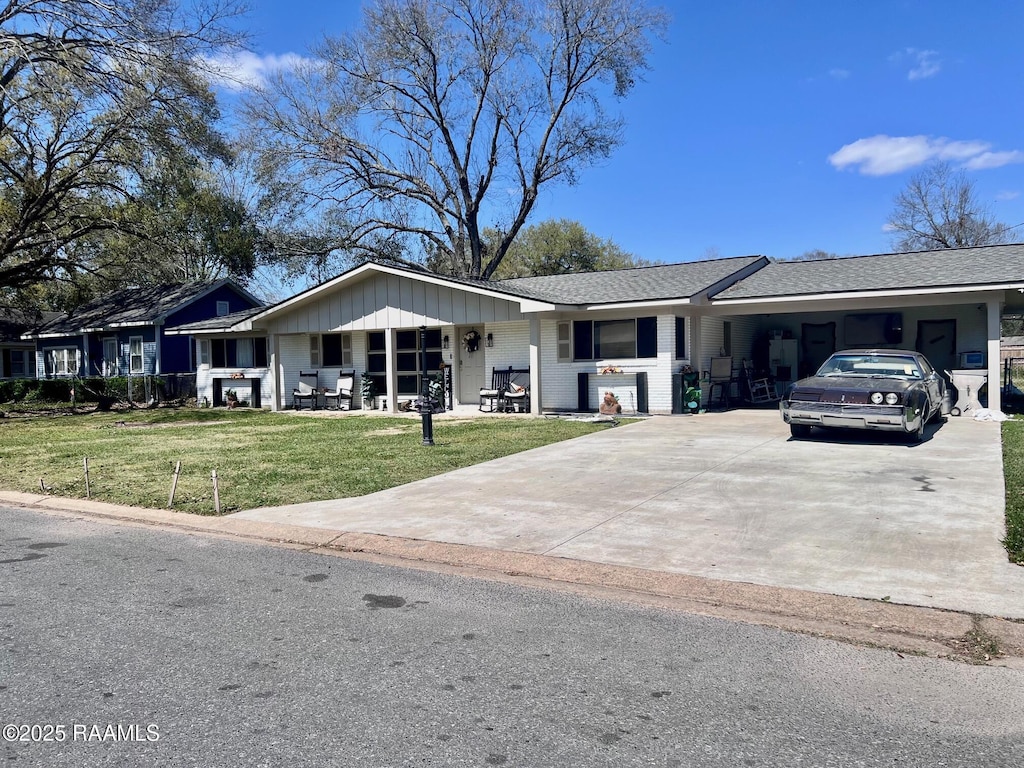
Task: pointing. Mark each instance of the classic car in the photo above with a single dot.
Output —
(884, 389)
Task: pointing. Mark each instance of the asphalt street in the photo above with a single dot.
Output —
(232, 653)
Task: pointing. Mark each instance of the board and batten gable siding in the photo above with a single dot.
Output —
(559, 379)
(391, 301)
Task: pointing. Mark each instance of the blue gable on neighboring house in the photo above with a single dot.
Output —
(123, 333)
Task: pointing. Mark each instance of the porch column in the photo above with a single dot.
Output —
(994, 363)
(695, 351)
(536, 396)
(158, 358)
(276, 373)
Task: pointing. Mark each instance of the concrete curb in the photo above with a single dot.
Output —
(902, 628)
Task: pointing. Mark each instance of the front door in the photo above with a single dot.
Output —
(471, 367)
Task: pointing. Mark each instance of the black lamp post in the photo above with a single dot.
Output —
(426, 409)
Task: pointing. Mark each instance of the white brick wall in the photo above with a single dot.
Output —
(559, 380)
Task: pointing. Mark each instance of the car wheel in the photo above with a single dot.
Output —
(800, 431)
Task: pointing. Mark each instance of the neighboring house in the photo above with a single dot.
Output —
(125, 333)
(628, 331)
(17, 356)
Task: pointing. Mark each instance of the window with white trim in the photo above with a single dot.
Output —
(223, 308)
(109, 363)
(61, 361)
(135, 358)
(244, 354)
(204, 351)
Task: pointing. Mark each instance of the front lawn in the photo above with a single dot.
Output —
(1013, 471)
(261, 459)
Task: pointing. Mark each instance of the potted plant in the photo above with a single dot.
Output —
(368, 390)
(232, 398)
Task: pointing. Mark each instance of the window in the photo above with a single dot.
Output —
(16, 368)
(249, 353)
(605, 339)
(223, 308)
(204, 351)
(376, 361)
(135, 362)
(61, 362)
(681, 338)
(218, 353)
(244, 353)
(408, 359)
(337, 349)
(110, 356)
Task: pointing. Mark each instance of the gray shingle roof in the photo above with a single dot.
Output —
(985, 265)
(668, 281)
(14, 322)
(130, 306)
(222, 323)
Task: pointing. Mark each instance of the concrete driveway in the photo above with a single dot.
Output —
(730, 496)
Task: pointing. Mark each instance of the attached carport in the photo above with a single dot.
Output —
(942, 303)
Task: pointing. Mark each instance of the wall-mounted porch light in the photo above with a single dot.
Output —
(444, 343)
(490, 339)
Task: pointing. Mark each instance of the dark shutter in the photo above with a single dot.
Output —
(583, 340)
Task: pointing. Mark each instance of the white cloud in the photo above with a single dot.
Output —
(928, 64)
(244, 69)
(994, 160)
(1007, 194)
(839, 74)
(882, 155)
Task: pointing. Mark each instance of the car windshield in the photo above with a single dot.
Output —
(899, 366)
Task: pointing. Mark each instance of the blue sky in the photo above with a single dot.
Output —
(779, 127)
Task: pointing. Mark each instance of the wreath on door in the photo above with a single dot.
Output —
(471, 340)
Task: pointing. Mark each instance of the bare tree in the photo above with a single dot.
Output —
(437, 118)
(91, 93)
(939, 209)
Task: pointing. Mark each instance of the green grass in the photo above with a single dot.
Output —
(262, 459)
(1013, 472)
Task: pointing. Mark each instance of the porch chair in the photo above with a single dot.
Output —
(720, 376)
(491, 397)
(760, 388)
(307, 390)
(342, 391)
(516, 396)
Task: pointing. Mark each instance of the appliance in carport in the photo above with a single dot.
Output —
(968, 383)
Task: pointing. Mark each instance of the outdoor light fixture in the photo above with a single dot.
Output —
(490, 339)
(444, 343)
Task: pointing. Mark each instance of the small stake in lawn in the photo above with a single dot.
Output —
(174, 484)
(85, 463)
(216, 492)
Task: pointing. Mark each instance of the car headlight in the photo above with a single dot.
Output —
(892, 398)
(876, 398)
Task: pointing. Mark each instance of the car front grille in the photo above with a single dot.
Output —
(847, 409)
